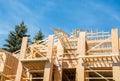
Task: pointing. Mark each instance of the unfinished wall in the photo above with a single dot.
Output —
(2, 60)
(87, 57)
(10, 67)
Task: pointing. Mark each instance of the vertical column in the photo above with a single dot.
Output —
(58, 71)
(119, 43)
(49, 65)
(81, 51)
(115, 41)
(115, 50)
(30, 77)
(22, 54)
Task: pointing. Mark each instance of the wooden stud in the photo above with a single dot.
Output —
(22, 55)
(81, 51)
(115, 41)
(49, 64)
(31, 77)
(58, 71)
(115, 49)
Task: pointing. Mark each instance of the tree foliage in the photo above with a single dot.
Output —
(15, 38)
(39, 36)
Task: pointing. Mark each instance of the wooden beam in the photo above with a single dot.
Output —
(36, 71)
(119, 44)
(22, 55)
(59, 63)
(95, 56)
(81, 51)
(96, 78)
(100, 50)
(115, 49)
(34, 60)
(72, 39)
(33, 78)
(97, 41)
(99, 70)
(49, 65)
(116, 71)
(115, 41)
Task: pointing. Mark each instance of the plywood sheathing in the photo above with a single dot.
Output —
(8, 72)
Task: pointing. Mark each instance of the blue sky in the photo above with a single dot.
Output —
(99, 15)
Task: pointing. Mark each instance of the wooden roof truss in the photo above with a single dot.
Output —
(63, 37)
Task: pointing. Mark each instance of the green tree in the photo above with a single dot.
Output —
(14, 39)
(38, 36)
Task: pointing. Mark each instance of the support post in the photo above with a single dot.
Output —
(22, 54)
(81, 51)
(58, 71)
(115, 41)
(30, 77)
(115, 50)
(49, 65)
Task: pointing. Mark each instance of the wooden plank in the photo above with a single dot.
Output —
(119, 44)
(95, 62)
(97, 41)
(100, 50)
(36, 71)
(81, 51)
(59, 63)
(9, 62)
(49, 65)
(115, 50)
(115, 41)
(33, 78)
(99, 78)
(98, 70)
(35, 59)
(22, 54)
(116, 71)
(95, 56)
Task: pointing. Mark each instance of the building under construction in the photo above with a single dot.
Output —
(81, 56)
